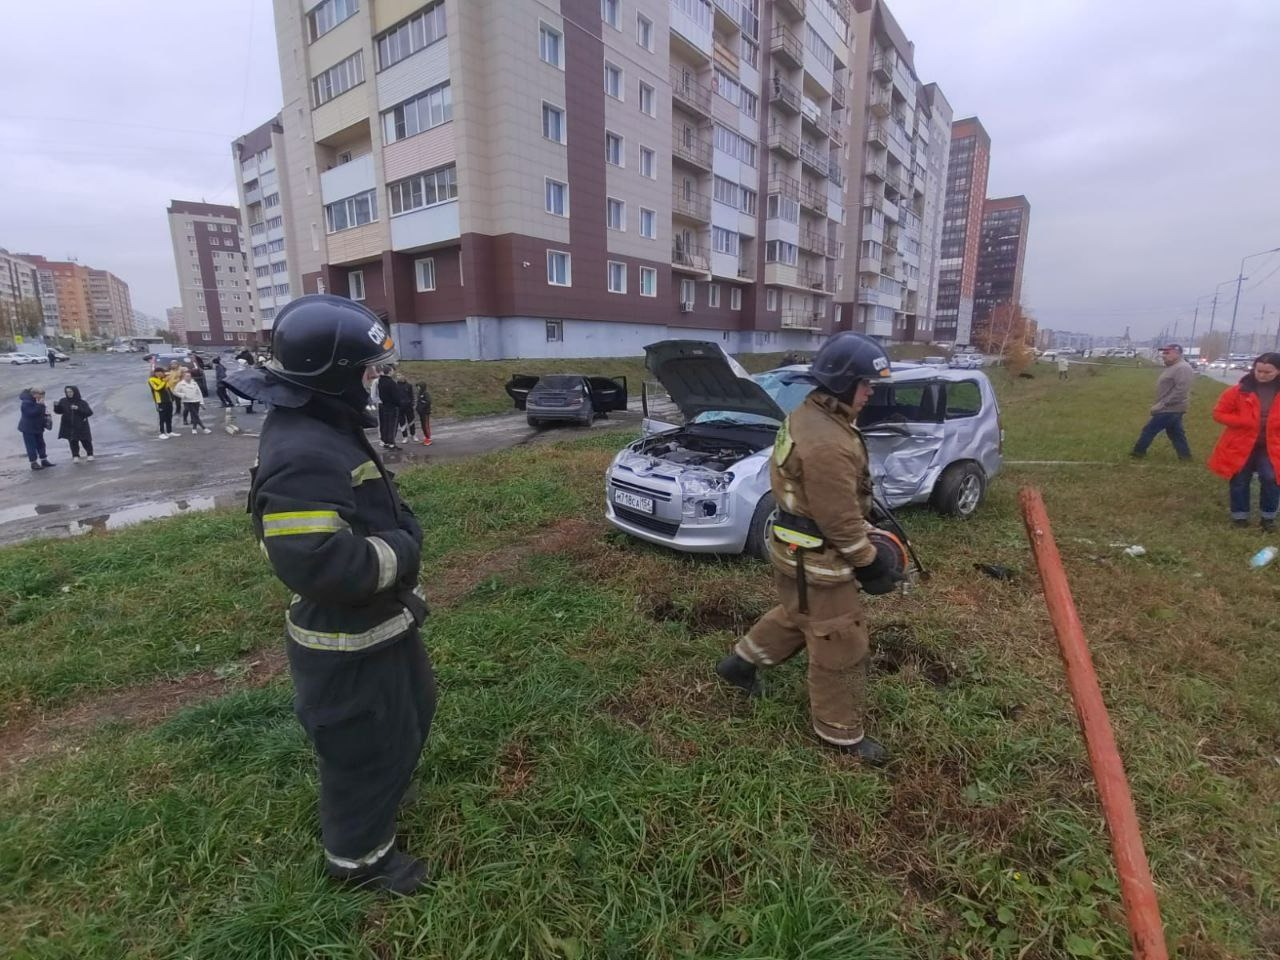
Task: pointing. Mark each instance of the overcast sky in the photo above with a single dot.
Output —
(1143, 132)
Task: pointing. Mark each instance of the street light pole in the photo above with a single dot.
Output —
(1240, 280)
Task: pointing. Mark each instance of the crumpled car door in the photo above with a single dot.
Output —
(904, 432)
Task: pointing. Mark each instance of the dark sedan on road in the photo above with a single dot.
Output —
(570, 397)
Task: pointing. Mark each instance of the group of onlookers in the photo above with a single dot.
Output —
(1248, 447)
(34, 419)
(401, 409)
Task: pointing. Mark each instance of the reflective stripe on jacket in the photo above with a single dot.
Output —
(335, 530)
(820, 470)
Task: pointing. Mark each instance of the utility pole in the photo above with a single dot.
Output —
(1194, 317)
(1240, 280)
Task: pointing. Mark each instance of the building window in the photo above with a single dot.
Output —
(771, 299)
(555, 331)
(648, 282)
(226, 227)
(557, 198)
(344, 214)
(724, 241)
(262, 271)
(282, 290)
(274, 222)
(426, 110)
(204, 336)
(559, 269)
(647, 165)
(424, 190)
(617, 277)
(338, 79)
(748, 202)
(609, 13)
(613, 148)
(687, 291)
(735, 298)
(646, 100)
(425, 271)
(613, 80)
(421, 30)
(615, 214)
(270, 200)
(644, 32)
(648, 224)
(551, 46)
(553, 123)
(713, 295)
(355, 284)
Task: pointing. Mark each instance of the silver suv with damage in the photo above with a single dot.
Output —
(933, 434)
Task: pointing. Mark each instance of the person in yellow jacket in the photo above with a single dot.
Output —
(162, 396)
(821, 550)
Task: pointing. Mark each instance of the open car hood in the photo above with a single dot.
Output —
(701, 377)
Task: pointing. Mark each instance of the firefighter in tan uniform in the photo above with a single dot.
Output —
(823, 548)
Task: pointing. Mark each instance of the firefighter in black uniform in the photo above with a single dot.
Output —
(338, 535)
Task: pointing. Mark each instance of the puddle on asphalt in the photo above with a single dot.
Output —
(123, 517)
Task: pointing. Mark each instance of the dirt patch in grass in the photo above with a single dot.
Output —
(690, 691)
(40, 735)
(897, 651)
(515, 769)
(43, 735)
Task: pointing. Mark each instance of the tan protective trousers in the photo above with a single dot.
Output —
(835, 632)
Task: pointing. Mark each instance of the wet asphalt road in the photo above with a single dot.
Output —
(136, 476)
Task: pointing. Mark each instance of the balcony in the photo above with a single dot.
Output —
(691, 205)
(813, 158)
(880, 102)
(882, 67)
(689, 92)
(877, 135)
(794, 319)
(834, 173)
(784, 95)
(837, 138)
(876, 170)
(873, 200)
(786, 186)
(811, 279)
(747, 268)
(869, 265)
(690, 257)
(868, 296)
(818, 121)
(813, 200)
(784, 141)
(839, 90)
(786, 46)
(692, 150)
(792, 9)
(814, 243)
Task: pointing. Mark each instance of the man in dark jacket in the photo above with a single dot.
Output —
(408, 424)
(337, 534)
(51, 357)
(220, 385)
(33, 421)
(388, 408)
(74, 426)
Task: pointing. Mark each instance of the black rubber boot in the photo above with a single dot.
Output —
(741, 673)
(868, 750)
(396, 873)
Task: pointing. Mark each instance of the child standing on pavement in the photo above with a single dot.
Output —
(188, 391)
(424, 413)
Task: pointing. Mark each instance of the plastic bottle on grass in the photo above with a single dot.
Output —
(1263, 557)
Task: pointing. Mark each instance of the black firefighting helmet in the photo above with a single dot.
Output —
(323, 343)
(847, 358)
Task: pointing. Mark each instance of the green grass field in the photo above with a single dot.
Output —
(589, 791)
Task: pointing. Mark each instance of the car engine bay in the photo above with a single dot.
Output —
(690, 449)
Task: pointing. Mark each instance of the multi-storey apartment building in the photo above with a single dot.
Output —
(524, 179)
(19, 294)
(937, 113)
(64, 296)
(967, 170)
(261, 179)
(110, 308)
(893, 149)
(213, 276)
(1002, 252)
(176, 320)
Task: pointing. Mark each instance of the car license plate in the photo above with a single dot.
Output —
(633, 502)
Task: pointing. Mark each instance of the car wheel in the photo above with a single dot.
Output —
(960, 490)
(588, 415)
(761, 520)
(534, 422)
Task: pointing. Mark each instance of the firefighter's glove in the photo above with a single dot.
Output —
(877, 577)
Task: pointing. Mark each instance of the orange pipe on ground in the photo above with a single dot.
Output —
(1146, 933)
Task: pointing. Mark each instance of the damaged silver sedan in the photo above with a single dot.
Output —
(933, 434)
